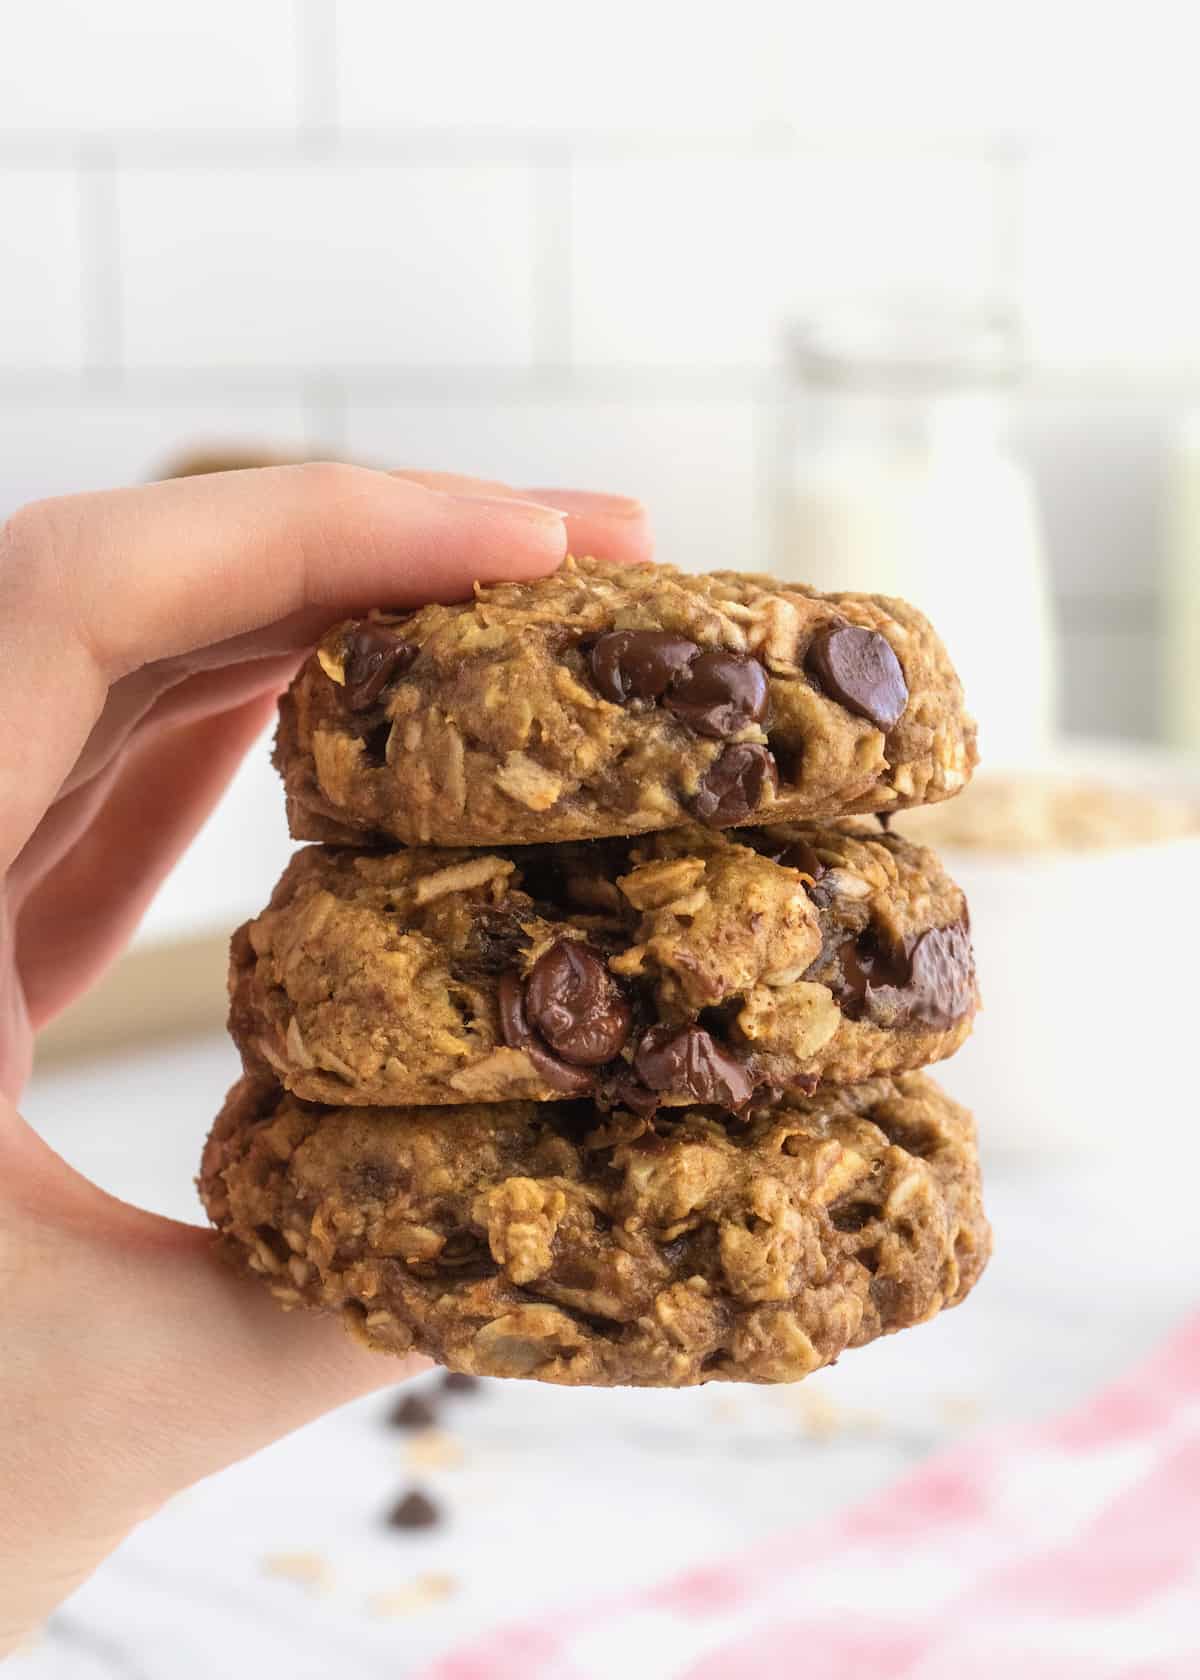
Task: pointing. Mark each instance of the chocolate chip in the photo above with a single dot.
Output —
(931, 981)
(868, 965)
(460, 1382)
(415, 1510)
(412, 1412)
(859, 670)
(639, 664)
(719, 694)
(375, 656)
(943, 977)
(676, 1060)
(514, 1026)
(575, 1004)
(733, 786)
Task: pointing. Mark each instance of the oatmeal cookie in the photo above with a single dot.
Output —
(693, 965)
(618, 700)
(553, 1241)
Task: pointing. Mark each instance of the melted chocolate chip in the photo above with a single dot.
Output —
(639, 664)
(575, 1004)
(859, 670)
(719, 694)
(375, 656)
(674, 1060)
(733, 786)
(932, 982)
(943, 977)
(518, 1036)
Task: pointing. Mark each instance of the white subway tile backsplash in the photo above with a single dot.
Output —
(324, 266)
(692, 463)
(1111, 260)
(142, 65)
(708, 262)
(41, 309)
(676, 263)
(54, 447)
(538, 65)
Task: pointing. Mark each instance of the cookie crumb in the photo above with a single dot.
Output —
(415, 1510)
(414, 1595)
(307, 1569)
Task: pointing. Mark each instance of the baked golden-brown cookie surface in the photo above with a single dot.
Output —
(557, 1242)
(620, 700)
(691, 965)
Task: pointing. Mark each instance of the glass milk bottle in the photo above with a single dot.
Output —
(1181, 619)
(897, 481)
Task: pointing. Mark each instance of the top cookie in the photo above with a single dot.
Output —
(613, 699)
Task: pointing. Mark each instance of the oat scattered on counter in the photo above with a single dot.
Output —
(306, 1569)
(433, 1449)
(961, 1411)
(413, 1595)
(821, 1418)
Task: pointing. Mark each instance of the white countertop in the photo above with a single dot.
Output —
(563, 1495)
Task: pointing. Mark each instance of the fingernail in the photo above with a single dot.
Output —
(539, 512)
(596, 502)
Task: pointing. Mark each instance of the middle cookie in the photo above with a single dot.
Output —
(686, 966)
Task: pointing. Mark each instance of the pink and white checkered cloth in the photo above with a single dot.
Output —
(1066, 1551)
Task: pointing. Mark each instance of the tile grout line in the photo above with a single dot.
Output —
(324, 399)
(524, 381)
(552, 185)
(1012, 185)
(316, 77)
(100, 266)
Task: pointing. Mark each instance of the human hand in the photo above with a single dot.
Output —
(146, 634)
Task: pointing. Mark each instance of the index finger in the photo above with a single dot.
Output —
(93, 586)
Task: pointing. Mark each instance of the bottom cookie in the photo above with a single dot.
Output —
(549, 1240)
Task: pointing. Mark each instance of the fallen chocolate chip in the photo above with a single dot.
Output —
(859, 669)
(415, 1510)
(517, 1035)
(942, 976)
(639, 664)
(412, 1412)
(575, 1004)
(733, 786)
(375, 656)
(675, 1060)
(719, 694)
(460, 1382)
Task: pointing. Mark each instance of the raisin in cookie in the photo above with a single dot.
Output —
(548, 1240)
(687, 966)
(617, 700)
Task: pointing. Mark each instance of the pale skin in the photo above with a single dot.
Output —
(145, 635)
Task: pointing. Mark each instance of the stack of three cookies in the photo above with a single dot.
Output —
(584, 1046)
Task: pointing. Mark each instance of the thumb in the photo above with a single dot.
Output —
(136, 1363)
